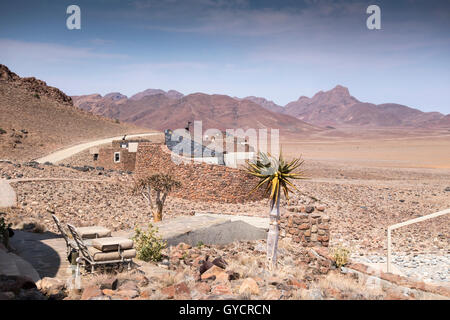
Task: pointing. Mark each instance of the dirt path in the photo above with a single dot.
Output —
(68, 152)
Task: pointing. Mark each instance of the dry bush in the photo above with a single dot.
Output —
(245, 265)
(350, 287)
(340, 256)
(31, 225)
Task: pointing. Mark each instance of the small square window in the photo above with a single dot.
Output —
(116, 157)
(95, 156)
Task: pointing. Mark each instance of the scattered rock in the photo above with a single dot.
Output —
(205, 266)
(309, 209)
(177, 290)
(51, 286)
(212, 273)
(220, 262)
(91, 292)
(249, 286)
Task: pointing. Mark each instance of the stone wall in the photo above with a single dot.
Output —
(106, 159)
(309, 229)
(200, 181)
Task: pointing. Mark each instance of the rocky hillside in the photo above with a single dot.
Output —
(36, 119)
(162, 111)
(337, 107)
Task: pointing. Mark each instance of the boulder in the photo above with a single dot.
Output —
(50, 286)
(177, 290)
(91, 292)
(249, 286)
(206, 265)
(220, 262)
(212, 273)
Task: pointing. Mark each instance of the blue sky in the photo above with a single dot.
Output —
(275, 49)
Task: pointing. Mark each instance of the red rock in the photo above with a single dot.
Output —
(222, 277)
(297, 284)
(146, 294)
(222, 289)
(108, 292)
(202, 287)
(91, 292)
(176, 290)
(130, 294)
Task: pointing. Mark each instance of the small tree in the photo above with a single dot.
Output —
(275, 174)
(155, 189)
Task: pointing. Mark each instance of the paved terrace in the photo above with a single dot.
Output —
(46, 252)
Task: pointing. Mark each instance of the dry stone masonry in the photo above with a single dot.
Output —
(200, 181)
(309, 229)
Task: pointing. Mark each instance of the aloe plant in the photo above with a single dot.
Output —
(275, 174)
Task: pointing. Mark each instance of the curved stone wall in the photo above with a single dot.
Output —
(200, 181)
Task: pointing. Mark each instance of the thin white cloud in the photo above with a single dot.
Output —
(49, 52)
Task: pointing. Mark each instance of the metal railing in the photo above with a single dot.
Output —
(406, 223)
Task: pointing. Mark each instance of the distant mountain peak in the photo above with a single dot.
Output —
(337, 107)
(172, 94)
(115, 96)
(340, 88)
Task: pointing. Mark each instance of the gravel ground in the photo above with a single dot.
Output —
(361, 202)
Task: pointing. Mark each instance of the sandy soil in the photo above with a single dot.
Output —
(399, 149)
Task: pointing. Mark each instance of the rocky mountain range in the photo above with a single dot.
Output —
(337, 107)
(333, 108)
(161, 110)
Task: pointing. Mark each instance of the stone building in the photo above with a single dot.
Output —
(121, 155)
(225, 151)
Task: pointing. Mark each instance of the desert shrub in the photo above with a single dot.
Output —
(200, 244)
(2, 131)
(36, 95)
(33, 226)
(4, 232)
(149, 244)
(116, 121)
(340, 256)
